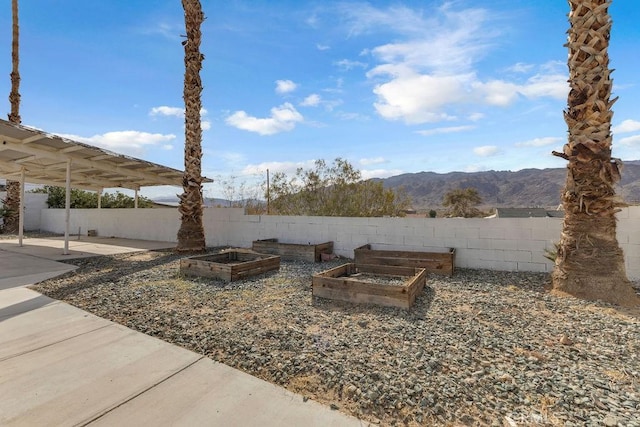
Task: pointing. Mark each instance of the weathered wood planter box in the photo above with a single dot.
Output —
(302, 252)
(434, 262)
(229, 265)
(347, 283)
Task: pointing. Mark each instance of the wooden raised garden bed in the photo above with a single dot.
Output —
(302, 252)
(229, 265)
(397, 287)
(433, 262)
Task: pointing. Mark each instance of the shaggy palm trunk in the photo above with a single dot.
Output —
(12, 202)
(590, 263)
(191, 233)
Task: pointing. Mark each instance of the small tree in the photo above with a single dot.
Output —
(4, 213)
(462, 203)
(81, 199)
(333, 190)
(120, 200)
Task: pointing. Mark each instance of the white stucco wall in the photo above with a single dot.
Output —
(34, 203)
(144, 224)
(497, 243)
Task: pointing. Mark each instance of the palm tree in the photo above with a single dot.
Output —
(191, 234)
(589, 262)
(12, 202)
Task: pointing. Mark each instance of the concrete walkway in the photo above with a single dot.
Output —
(52, 247)
(60, 365)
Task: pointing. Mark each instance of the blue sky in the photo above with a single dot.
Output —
(393, 87)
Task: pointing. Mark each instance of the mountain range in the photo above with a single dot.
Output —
(523, 188)
(526, 188)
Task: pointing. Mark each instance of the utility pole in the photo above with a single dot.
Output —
(268, 195)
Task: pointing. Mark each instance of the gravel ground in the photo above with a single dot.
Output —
(480, 348)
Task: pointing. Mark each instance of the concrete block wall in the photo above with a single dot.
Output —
(629, 239)
(514, 245)
(510, 244)
(144, 224)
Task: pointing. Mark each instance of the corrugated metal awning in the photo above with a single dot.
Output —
(44, 158)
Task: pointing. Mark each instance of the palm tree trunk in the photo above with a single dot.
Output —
(590, 263)
(191, 234)
(12, 203)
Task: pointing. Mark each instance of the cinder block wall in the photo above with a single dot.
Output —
(502, 244)
(510, 244)
(629, 239)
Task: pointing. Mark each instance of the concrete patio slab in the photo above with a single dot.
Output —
(17, 269)
(29, 332)
(207, 393)
(52, 247)
(60, 365)
(78, 379)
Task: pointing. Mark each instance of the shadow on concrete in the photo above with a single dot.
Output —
(24, 306)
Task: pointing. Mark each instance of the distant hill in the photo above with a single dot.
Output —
(173, 200)
(524, 188)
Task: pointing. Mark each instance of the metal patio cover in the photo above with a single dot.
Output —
(44, 158)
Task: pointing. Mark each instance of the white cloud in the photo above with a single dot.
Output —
(450, 129)
(379, 173)
(550, 85)
(497, 92)
(502, 93)
(312, 100)
(126, 142)
(283, 119)
(330, 105)
(540, 142)
(322, 46)
(423, 76)
(474, 168)
(418, 98)
(164, 110)
(362, 18)
(344, 115)
(167, 111)
(231, 157)
(347, 65)
(474, 117)
(455, 41)
(372, 161)
(627, 126)
(168, 30)
(630, 140)
(285, 86)
(521, 67)
(284, 167)
(486, 150)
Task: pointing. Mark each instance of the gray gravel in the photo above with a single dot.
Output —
(480, 348)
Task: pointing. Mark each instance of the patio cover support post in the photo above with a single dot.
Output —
(67, 208)
(135, 198)
(100, 199)
(21, 215)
